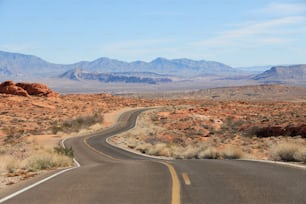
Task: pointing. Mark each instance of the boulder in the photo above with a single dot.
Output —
(37, 89)
(9, 87)
(26, 89)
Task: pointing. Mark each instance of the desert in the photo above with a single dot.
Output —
(271, 126)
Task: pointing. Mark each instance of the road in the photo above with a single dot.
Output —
(111, 175)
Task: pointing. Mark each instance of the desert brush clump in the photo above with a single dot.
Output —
(43, 160)
(301, 155)
(8, 164)
(64, 151)
(209, 153)
(289, 152)
(76, 124)
(232, 152)
(34, 160)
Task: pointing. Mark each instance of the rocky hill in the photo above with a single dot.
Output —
(124, 77)
(295, 74)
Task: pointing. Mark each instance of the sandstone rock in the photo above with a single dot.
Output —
(26, 89)
(8, 87)
(36, 89)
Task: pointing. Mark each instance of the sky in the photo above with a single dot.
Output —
(235, 32)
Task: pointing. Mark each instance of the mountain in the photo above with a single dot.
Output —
(294, 74)
(254, 69)
(21, 65)
(181, 67)
(26, 65)
(120, 77)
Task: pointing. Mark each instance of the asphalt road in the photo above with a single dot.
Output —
(111, 175)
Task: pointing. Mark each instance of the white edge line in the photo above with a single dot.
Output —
(300, 166)
(43, 180)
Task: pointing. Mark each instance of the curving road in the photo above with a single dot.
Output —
(111, 175)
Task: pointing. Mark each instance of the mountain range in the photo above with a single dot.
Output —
(23, 67)
(16, 64)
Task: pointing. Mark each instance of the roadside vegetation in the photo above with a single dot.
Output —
(289, 152)
(24, 160)
(221, 130)
(76, 124)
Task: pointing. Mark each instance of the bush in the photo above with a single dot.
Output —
(231, 152)
(209, 153)
(301, 155)
(64, 151)
(289, 152)
(76, 124)
(47, 160)
(8, 164)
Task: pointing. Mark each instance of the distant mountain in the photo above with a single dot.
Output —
(123, 77)
(254, 69)
(181, 67)
(294, 74)
(26, 65)
(31, 66)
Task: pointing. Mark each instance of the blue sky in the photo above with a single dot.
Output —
(235, 32)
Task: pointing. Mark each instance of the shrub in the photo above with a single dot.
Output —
(8, 164)
(190, 152)
(76, 124)
(231, 152)
(47, 160)
(288, 152)
(145, 148)
(64, 151)
(301, 155)
(209, 153)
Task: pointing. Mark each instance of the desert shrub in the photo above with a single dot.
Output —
(288, 152)
(161, 149)
(76, 124)
(190, 152)
(46, 160)
(145, 148)
(64, 151)
(301, 155)
(232, 152)
(8, 164)
(209, 153)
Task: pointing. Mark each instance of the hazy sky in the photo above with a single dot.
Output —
(235, 32)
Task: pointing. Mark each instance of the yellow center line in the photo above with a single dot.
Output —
(176, 188)
(186, 179)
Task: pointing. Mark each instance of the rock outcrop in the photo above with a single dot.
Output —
(26, 89)
(9, 87)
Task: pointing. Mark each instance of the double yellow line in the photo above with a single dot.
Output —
(176, 187)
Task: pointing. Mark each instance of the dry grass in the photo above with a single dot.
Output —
(76, 124)
(289, 151)
(232, 152)
(46, 159)
(8, 164)
(13, 162)
(301, 155)
(209, 153)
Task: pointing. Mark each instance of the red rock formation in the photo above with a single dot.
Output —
(26, 89)
(36, 89)
(8, 87)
